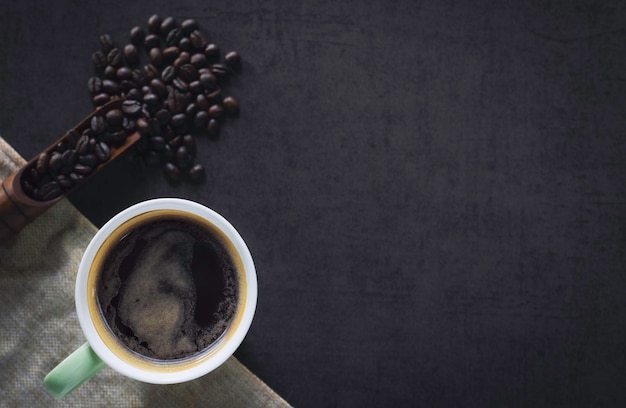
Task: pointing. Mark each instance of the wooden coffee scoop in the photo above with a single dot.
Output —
(18, 209)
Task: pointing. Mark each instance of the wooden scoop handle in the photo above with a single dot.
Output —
(17, 209)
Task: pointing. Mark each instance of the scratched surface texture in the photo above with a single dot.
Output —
(434, 192)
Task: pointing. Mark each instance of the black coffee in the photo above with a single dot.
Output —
(169, 288)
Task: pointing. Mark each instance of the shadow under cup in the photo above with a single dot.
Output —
(114, 349)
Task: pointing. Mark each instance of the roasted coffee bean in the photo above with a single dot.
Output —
(214, 95)
(106, 43)
(196, 87)
(82, 146)
(72, 137)
(178, 62)
(98, 124)
(174, 36)
(219, 70)
(211, 51)
(175, 102)
(110, 72)
(233, 59)
(157, 143)
(64, 181)
(94, 85)
(55, 162)
(156, 56)
(189, 25)
(50, 191)
(190, 143)
(88, 159)
(163, 116)
(185, 44)
(43, 160)
(184, 57)
(142, 125)
(180, 85)
(216, 111)
(102, 152)
(171, 53)
(134, 95)
(82, 169)
(190, 112)
(213, 128)
(176, 142)
(77, 178)
(131, 107)
(89, 132)
(62, 146)
(114, 58)
(188, 73)
(184, 159)
(110, 87)
(186, 98)
(137, 35)
(92, 143)
(168, 74)
(69, 157)
(151, 41)
(199, 60)
(150, 99)
(99, 60)
(168, 24)
(198, 42)
(128, 124)
(125, 87)
(151, 72)
(124, 74)
(231, 105)
(157, 86)
(172, 172)
(202, 102)
(201, 119)
(32, 176)
(146, 111)
(207, 80)
(101, 99)
(114, 117)
(140, 77)
(178, 121)
(114, 138)
(131, 54)
(154, 23)
(196, 173)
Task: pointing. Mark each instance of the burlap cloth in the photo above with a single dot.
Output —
(39, 327)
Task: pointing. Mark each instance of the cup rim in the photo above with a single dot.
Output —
(223, 352)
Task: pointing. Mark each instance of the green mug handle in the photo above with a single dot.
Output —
(77, 368)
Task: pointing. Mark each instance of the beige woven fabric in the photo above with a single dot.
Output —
(39, 327)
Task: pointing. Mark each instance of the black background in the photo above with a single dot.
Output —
(433, 192)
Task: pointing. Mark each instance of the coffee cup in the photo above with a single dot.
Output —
(165, 293)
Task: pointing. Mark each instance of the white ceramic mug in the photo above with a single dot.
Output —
(104, 349)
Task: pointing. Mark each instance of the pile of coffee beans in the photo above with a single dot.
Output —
(176, 96)
(76, 156)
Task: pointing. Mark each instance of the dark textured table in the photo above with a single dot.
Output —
(434, 192)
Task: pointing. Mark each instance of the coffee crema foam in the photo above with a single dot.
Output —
(168, 289)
